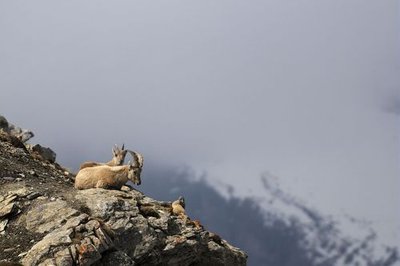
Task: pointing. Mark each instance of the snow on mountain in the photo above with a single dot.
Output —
(327, 240)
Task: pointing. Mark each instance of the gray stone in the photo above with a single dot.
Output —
(115, 258)
(45, 246)
(63, 258)
(46, 217)
(22, 254)
(77, 220)
(46, 153)
(6, 209)
(33, 195)
(3, 123)
(105, 203)
(113, 230)
(20, 192)
(3, 224)
(88, 254)
(22, 134)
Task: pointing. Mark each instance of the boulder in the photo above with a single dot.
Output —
(46, 153)
(111, 228)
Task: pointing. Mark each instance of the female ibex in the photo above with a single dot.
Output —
(110, 177)
(118, 158)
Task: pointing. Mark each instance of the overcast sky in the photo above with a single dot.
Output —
(306, 90)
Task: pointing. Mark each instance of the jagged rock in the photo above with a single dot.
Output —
(47, 246)
(115, 258)
(3, 123)
(33, 195)
(13, 140)
(22, 134)
(3, 224)
(115, 230)
(46, 217)
(21, 191)
(46, 153)
(7, 205)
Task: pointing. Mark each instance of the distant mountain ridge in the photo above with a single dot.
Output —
(275, 230)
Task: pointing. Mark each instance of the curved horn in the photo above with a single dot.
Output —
(140, 160)
(137, 159)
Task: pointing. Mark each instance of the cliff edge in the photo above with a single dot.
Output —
(45, 221)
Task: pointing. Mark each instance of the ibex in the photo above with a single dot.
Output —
(118, 158)
(110, 177)
(178, 206)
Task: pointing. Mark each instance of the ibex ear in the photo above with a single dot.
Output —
(123, 145)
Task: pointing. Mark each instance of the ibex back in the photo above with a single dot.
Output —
(110, 177)
(118, 158)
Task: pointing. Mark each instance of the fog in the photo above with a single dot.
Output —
(307, 91)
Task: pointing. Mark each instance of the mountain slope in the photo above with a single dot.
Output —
(45, 221)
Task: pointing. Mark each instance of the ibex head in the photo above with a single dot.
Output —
(135, 168)
(118, 155)
(181, 200)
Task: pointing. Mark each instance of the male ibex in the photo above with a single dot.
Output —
(118, 158)
(110, 177)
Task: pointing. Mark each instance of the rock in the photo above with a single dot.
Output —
(22, 134)
(115, 258)
(22, 254)
(3, 123)
(20, 192)
(33, 195)
(32, 172)
(46, 217)
(13, 140)
(104, 203)
(51, 241)
(46, 153)
(7, 209)
(3, 224)
(8, 178)
(7, 205)
(113, 230)
(8, 249)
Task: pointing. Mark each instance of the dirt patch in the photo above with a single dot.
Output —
(35, 181)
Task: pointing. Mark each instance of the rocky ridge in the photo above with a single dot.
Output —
(45, 221)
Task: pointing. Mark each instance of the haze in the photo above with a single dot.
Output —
(308, 91)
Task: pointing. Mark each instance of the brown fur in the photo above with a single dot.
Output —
(105, 176)
(178, 208)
